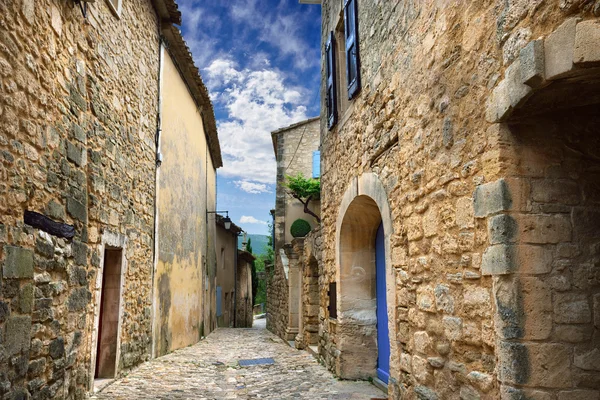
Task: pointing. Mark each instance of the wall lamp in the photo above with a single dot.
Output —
(226, 220)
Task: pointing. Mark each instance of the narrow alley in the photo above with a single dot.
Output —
(210, 370)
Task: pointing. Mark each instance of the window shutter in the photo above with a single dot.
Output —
(352, 60)
(316, 167)
(330, 96)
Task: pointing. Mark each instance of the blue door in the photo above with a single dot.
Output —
(383, 338)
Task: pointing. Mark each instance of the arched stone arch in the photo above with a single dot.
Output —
(363, 207)
(543, 215)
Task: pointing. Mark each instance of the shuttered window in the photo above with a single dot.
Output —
(316, 164)
(352, 60)
(330, 97)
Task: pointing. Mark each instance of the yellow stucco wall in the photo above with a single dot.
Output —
(186, 188)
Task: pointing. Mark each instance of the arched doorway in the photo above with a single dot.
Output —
(365, 323)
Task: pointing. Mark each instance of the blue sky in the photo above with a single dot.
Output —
(260, 60)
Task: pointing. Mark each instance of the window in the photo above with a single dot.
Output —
(331, 97)
(351, 35)
(342, 64)
(316, 164)
(115, 6)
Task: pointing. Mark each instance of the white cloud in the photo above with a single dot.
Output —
(257, 102)
(252, 187)
(246, 219)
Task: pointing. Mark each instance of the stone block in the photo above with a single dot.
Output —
(499, 259)
(517, 91)
(414, 228)
(452, 328)
(425, 393)
(498, 106)
(509, 318)
(491, 198)
(18, 263)
(550, 365)
(502, 229)
(571, 308)
(80, 252)
(55, 210)
(579, 394)
(587, 37)
(534, 260)
(406, 362)
(561, 191)
(469, 393)
(542, 229)
(426, 299)
(75, 154)
(26, 297)
(476, 301)
(436, 362)
(17, 333)
(532, 63)
(514, 363)
(481, 380)
(421, 369)
(558, 50)
(464, 213)
(422, 342)
(76, 209)
(443, 300)
(57, 348)
(573, 333)
(587, 359)
(79, 299)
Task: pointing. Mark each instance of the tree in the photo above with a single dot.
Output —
(253, 270)
(304, 190)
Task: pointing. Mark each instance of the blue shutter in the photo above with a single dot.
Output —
(330, 96)
(352, 60)
(316, 164)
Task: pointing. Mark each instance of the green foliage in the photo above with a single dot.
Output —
(300, 228)
(303, 187)
(253, 271)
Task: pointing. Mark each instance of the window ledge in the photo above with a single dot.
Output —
(346, 115)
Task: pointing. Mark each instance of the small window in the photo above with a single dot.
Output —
(316, 164)
(351, 35)
(332, 294)
(115, 6)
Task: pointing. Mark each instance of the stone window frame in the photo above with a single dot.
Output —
(116, 9)
(110, 241)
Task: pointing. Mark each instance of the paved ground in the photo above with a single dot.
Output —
(210, 370)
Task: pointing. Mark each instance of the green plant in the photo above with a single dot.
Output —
(304, 190)
(300, 228)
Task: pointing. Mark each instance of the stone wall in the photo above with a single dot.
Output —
(278, 296)
(309, 264)
(419, 125)
(243, 291)
(78, 109)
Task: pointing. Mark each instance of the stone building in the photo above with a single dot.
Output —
(460, 219)
(296, 151)
(185, 272)
(78, 142)
(234, 278)
(243, 290)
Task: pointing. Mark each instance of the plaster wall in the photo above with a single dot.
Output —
(226, 251)
(186, 190)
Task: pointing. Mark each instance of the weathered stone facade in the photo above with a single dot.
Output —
(294, 147)
(77, 138)
(475, 148)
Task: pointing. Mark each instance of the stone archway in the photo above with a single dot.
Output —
(543, 217)
(364, 207)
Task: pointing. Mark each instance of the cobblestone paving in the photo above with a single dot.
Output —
(210, 370)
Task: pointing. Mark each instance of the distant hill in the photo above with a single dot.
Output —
(260, 244)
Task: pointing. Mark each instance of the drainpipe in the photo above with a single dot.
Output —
(157, 175)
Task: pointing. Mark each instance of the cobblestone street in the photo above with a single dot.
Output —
(210, 370)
